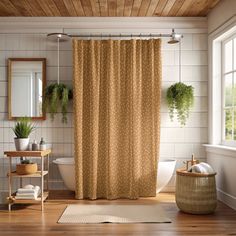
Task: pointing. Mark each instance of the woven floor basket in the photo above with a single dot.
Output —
(195, 193)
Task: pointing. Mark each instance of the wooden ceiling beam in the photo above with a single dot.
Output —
(175, 8)
(152, 7)
(120, 7)
(104, 8)
(78, 7)
(21, 6)
(8, 8)
(128, 7)
(87, 7)
(45, 6)
(159, 8)
(186, 5)
(167, 8)
(70, 7)
(61, 7)
(112, 6)
(144, 7)
(35, 8)
(210, 4)
(95, 7)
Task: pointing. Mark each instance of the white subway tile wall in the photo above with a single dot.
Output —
(176, 142)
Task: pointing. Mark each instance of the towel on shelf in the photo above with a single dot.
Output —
(28, 190)
(28, 193)
(201, 168)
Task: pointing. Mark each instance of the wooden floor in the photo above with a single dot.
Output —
(29, 221)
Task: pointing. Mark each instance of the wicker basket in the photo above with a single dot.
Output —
(26, 169)
(195, 192)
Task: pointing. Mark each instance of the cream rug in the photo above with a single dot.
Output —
(92, 214)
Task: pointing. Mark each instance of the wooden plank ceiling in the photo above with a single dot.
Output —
(106, 7)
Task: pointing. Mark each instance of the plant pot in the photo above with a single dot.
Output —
(26, 169)
(22, 144)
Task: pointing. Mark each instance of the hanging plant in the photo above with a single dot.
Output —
(180, 99)
(56, 97)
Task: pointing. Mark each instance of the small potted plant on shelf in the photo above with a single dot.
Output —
(180, 98)
(23, 128)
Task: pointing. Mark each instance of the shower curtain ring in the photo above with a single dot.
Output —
(140, 36)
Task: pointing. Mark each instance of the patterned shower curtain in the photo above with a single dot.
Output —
(117, 90)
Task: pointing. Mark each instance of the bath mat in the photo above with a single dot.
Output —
(92, 214)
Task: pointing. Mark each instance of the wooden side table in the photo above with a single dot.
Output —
(39, 174)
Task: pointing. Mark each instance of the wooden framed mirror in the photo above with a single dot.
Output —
(26, 85)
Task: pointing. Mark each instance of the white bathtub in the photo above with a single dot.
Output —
(66, 168)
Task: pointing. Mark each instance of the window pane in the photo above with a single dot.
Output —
(228, 90)
(235, 54)
(228, 124)
(234, 89)
(234, 124)
(228, 56)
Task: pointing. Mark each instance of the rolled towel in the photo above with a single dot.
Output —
(207, 167)
(201, 168)
(26, 195)
(28, 186)
(28, 190)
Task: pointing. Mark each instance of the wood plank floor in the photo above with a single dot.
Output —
(28, 220)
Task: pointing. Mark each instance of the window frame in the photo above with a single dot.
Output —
(232, 37)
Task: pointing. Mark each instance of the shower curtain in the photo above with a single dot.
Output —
(117, 88)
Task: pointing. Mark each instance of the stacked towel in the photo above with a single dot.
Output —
(201, 168)
(28, 192)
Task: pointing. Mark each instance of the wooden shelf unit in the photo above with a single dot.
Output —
(30, 201)
(35, 175)
(39, 174)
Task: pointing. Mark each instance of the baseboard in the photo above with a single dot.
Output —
(226, 198)
(168, 189)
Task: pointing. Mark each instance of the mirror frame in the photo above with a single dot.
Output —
(10, 60)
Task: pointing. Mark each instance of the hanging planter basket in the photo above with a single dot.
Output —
(56, 99)
(57, 95)
(180, 98)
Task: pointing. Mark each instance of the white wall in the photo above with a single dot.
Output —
(221, 22)
(21, 38)
(220, 14)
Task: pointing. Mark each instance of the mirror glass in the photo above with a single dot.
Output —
(26, 84)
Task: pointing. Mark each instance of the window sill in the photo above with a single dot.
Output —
(221, 149)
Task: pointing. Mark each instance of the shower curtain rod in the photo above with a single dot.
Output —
(174, 38)
(120, 35)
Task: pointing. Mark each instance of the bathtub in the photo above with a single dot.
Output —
(66, 168)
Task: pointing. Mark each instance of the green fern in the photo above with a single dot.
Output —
(57, 97)
(180, 98)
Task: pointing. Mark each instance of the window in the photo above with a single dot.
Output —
(229, 90)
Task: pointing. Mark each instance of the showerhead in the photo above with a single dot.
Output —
(175, 38)
(61, 36)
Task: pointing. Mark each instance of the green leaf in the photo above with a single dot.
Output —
(56, 98)
(23, 127)
(180, 98)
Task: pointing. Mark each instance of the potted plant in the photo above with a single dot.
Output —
(57, 96)
(22, 130)
(180, 99)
